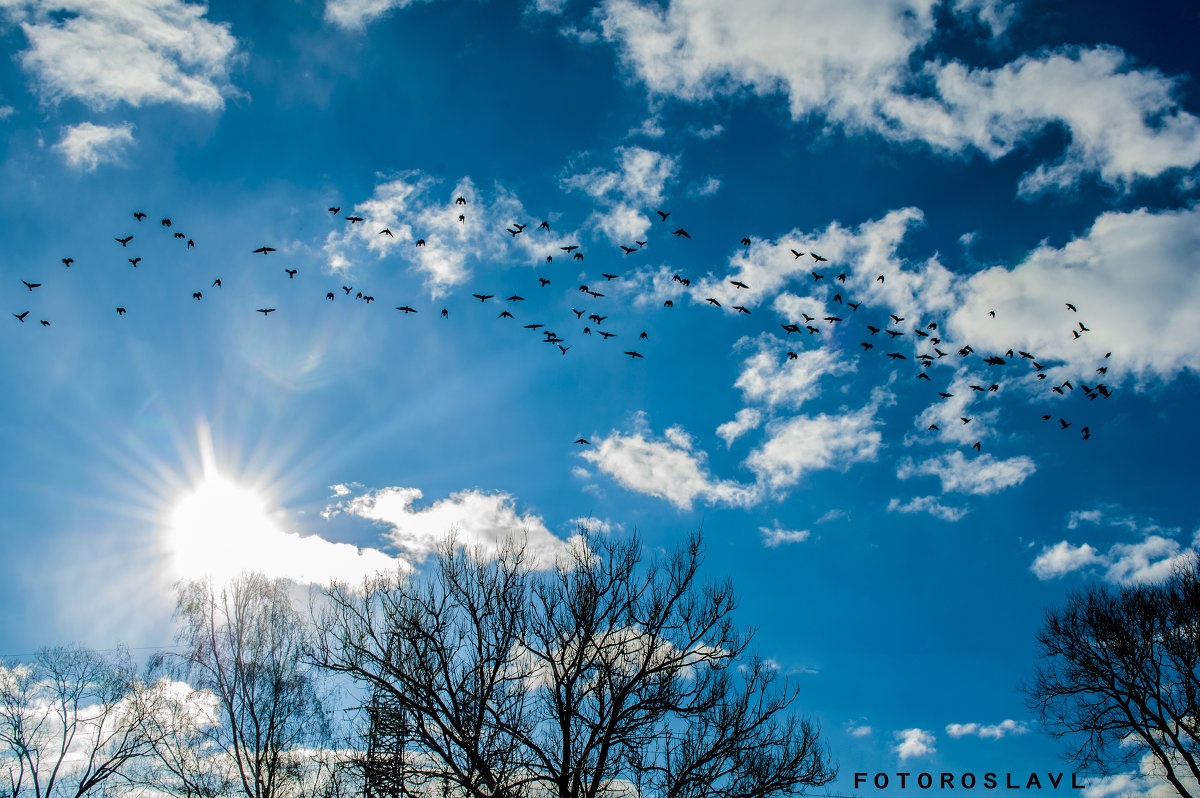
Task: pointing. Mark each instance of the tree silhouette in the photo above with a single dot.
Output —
(606, 673)
(1118, 676)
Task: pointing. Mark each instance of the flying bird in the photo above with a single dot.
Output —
(633, 354)
(265, 311)
(264, 250)
(334, 210)
(291, 273)
(124, 241)
(583, 442)
(21, 316)
(135, 261)
(663, 214)
(406, 309)
(217, 282)
(32, 286)
(817, 257)
(139, 216)
(483, 297)
(120, 312)
(738, 284)
(681, 232)
(353, 219)
(67, 262)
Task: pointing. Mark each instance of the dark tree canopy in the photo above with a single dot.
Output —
(1119, 677)
(606, 673)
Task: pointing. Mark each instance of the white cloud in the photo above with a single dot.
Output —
(86, 146)
(554, 7)
(353, 15)
(221, 530)
(914, 742)
(404, 204)
(744, 420)
(668, 469)
(994, 731)
(928, 504)
(6, 111)
(856, 729)
(1123, 123)
(637, 182)
(833, 515)
(1062, 558)
(802, 444)
(105, 52)
(777, 536)
(776, 379)
(1150, 560)
(708, 188)
(980, 476)
(1130, 278)
(478, 520)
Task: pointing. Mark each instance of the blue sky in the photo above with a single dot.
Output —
(980, 156)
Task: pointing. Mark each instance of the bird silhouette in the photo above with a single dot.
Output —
(817, 257)
(663, 214)
(67, 262)
(217, 282)
(45, 323)
(460, 200)
(139, 216)
(353, 219)
(797, 254)
(32, 286)
(291, 273)
(681, 232)
(483, 297)
(180, 236)
(583, 441)
(633, 354)
(120, 311)
(504, 314)
(135, 261)
(165, 222)
(406, 309)
(745, 242)
(264, 250)
(387, 231)
(197, 295)
(124, 241)
(266, 311)
(738, 284)
(329, 296)
(1072, 307)
(334, 210)
(21, 316)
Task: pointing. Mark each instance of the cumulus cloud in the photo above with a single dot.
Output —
(1149, 560)
(669, 469)
(914, 742)
(86, 146)
(802, 444)
(478, 520)
(1156, 302)
(928, 504)
(773, 379)
(135, 51)
(993, 731)
(980, 476)
(1124, 123)
(856, 729)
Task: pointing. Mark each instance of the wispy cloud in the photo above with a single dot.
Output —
(995, 731)
(777, 535)
(928, 504)
(980, 476)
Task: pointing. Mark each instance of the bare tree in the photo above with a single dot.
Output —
(72, 722)
(244, 660)
(1119, 676)
(606, 674)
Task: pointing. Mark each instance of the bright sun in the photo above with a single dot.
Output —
(221, 528)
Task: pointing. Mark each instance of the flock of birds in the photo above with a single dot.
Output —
(884, 331)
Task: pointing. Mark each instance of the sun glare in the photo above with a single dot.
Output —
(221, 528)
